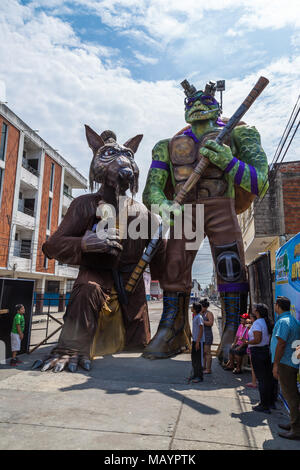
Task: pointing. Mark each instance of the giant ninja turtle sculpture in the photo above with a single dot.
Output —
(237, 172)
(100, 318)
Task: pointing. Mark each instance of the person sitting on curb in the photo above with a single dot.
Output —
(238, 348)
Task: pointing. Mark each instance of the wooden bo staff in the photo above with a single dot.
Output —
(192, 180)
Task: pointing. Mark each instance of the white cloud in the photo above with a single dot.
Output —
(145, 59)
(57, 84)
(270, 14)
(295, 40)
(2, 91)
(172, 20)
(271, 111)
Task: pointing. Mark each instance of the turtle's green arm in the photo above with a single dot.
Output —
(251, 172)
(157, 175)
(245, 164)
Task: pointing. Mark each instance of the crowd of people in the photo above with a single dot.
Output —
(270, 348)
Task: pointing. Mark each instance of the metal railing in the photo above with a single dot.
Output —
(28, 212)
(68, 195)
(28, 167)
(25, 210)
(47, 311)
(22, 249)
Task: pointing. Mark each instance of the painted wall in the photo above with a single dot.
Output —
(8, 187)
(44, 211)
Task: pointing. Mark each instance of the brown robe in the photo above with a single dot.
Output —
(95, 279)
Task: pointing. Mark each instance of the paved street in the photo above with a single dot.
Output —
(129, 403)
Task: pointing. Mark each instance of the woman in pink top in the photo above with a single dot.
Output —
(238, 347)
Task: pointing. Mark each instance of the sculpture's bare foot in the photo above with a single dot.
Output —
(60, 362)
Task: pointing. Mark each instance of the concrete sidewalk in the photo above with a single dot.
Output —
(129, 403)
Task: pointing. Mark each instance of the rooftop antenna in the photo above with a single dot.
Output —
(189, 89)
(221, 88)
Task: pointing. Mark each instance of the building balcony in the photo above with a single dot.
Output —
(22, 249)
(26, 164)
(21, 255)
(26, 218)
(67, 199)
(21, 264)
(30, 176)
(65, 270)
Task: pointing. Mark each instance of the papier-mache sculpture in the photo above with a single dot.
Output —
(236, 174)
(100, 317)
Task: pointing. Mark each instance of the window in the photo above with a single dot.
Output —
(25, 249)
(49, 214)
(3, 141)
(70, 284)
(52, 287)
(29, 205)
(45, 264)
(33, 163)
(1, 182)
(1, 179)
(52, 176)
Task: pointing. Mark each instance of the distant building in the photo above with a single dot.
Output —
(36, 185)
(147, 282)
(155, 290)
(270, 222)
(196, 289)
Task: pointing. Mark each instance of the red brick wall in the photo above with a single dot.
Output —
(8, 189)
(44, 211)
(291, 196)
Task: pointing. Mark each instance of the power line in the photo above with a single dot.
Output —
(273, 170)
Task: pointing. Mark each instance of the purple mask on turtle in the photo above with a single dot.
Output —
(207, 100)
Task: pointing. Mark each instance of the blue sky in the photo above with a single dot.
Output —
(118, 64)
(151, 50)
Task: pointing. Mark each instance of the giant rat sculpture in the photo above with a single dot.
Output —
(99, 318)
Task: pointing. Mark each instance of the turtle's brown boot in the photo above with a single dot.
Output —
(173, 333)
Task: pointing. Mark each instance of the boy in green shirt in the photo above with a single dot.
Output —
(17, 333)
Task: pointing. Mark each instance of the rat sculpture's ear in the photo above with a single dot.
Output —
(134, 142)
(94, 140)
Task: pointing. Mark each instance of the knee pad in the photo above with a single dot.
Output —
(228, 263)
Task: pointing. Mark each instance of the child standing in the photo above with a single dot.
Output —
(17, 333)
(197, 343)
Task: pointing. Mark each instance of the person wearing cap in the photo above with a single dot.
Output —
(238, 348)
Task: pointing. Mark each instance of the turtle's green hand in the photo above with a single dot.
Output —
(219, 155)
(168, 210)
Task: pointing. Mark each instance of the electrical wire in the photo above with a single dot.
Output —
(273, 169)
